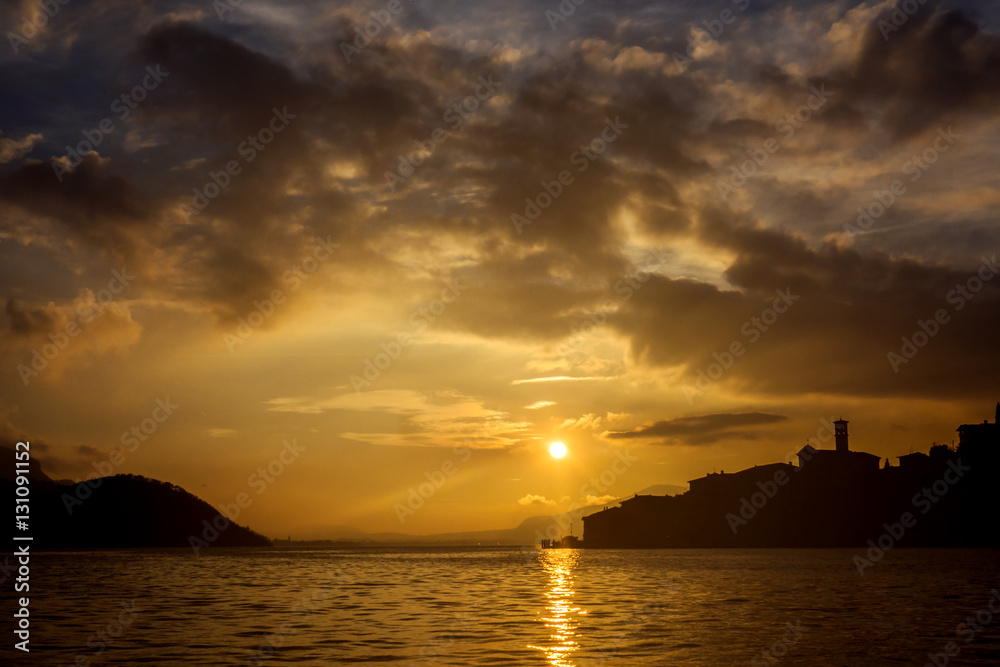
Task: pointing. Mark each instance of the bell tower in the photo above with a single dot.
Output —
(840, 433)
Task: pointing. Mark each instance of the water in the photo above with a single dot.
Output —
(508, 606)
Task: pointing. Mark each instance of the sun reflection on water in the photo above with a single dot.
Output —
(560, 614)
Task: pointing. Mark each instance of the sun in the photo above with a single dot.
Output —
(558, 450)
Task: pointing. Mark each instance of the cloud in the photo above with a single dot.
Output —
(13, 149)
(49, 340)
(190, 164)
(10, 434)
(441, 419)
(938, 63)
(597, 500)
(532, 500)
(702, 429)
(57, 461)
(418, 405)
(587, 421)
(90, 201)
(850, 311)
(558, 378)
(209, 72)
(33, 322)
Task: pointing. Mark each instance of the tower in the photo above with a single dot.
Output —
(840, 433)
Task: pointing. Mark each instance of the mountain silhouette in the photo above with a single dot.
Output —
(121, 511)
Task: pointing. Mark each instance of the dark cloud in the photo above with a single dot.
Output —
(937, 63)
(518, 298)
(557, 94)
(850, 311)
(702, 429)
(88, 452)
(91, 200)
(29, 323)
(216, 86)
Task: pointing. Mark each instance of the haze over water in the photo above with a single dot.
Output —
(510, 606)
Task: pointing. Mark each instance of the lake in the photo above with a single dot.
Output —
(512, 606)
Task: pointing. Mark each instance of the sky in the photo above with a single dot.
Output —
(392, 251)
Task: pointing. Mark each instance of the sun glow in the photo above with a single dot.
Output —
(558, 450)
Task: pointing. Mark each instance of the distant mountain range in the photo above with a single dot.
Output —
(120, 511)
(528, 532)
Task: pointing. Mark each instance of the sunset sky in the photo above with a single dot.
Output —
(680, 234)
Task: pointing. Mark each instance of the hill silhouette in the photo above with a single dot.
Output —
(121, 511)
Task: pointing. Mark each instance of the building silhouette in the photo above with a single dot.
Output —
(832, 498)
(841, 462)
(980, 437)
